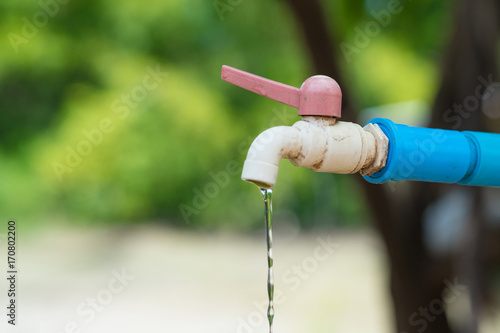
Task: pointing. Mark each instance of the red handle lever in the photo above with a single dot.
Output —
(318, 96)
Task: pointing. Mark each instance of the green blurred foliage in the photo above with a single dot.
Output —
(188, 135)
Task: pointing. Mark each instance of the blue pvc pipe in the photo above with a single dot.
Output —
(436, 155)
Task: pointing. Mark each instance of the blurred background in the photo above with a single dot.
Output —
(121, 151)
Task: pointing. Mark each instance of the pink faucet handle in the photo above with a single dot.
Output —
(318, 96)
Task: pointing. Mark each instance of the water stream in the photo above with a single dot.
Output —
(268, 208)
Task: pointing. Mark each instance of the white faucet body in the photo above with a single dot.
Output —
(319, 143)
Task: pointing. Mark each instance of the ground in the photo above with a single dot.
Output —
(156, 279)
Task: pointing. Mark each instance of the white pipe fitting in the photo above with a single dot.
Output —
(266, 151)
(318, 143)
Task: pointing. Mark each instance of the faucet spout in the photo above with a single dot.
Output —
(266, 151)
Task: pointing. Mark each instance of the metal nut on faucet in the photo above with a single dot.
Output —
(382, 148)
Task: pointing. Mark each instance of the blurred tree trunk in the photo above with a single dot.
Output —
(417, 278)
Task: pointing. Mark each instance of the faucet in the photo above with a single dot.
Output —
(381, 151)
